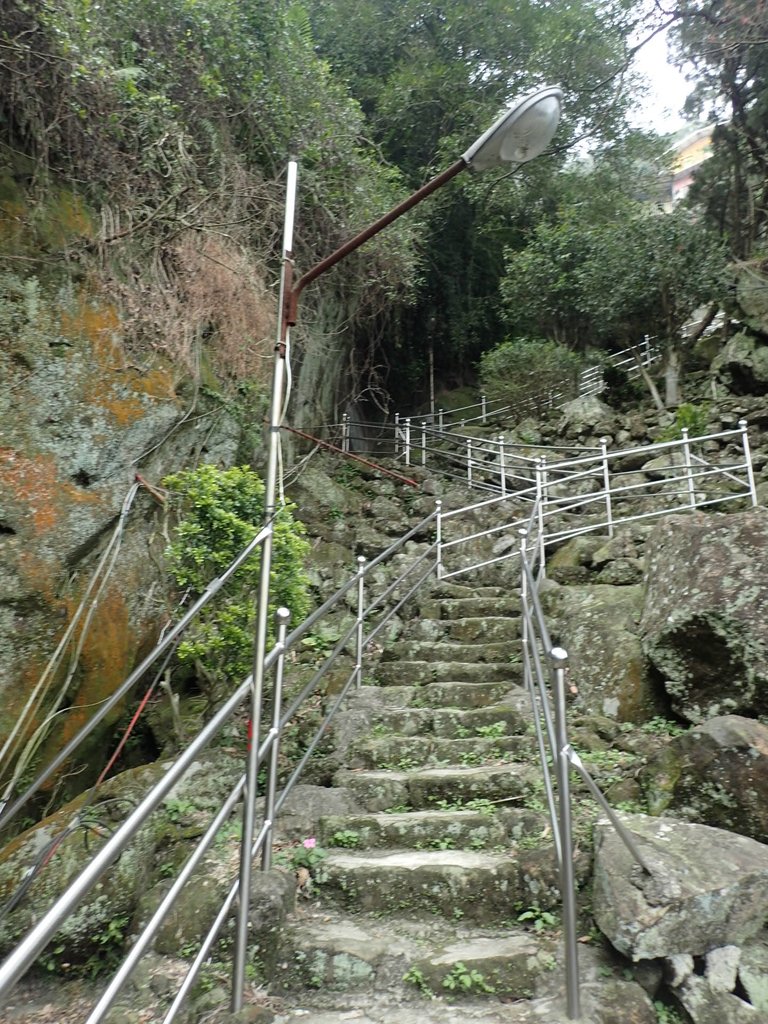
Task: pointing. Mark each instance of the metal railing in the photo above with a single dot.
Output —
(547, 692)
(375, 603)
(535, 513)
(597, 492)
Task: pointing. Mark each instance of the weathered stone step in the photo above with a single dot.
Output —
(477, 885)
(416, 959)
(513, 714)
(477, 629)
(421, 790)
(459, 590)
(415, 672)
(481, 652)
(400, 752)
(470, 830)
(465, 695)
(440, 608)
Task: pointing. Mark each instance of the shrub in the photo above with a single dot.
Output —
(525, 372)
(220, 511)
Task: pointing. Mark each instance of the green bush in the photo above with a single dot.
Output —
(220, 511)
(693, 417)
(525, 371)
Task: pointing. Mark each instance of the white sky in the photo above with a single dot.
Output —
(661, 110)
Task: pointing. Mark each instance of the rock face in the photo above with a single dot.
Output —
(743, 365)
(702, 626)
(716, 773)
(708, 888)
(79, 421)
(598, 627)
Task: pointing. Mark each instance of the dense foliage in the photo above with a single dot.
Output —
(219, 513)
(527, 372)
(724, 42)
(171, 122)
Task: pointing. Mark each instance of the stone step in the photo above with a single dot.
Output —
(421, 790)
(417, 959)
(398, 752)
(461, 590)
(441, 608)
(477, 629)
(467, 830)
(453, 722)
(465, 695)
(416, 673)
(482, 652)
(469, 885)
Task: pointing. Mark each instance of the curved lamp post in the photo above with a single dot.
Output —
(521, 133)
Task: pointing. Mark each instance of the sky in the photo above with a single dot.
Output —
(661, 110)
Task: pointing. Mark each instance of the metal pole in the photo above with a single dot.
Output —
(439, 539)
(397, 434)
(607, 485)
(483, 408)
(441, 418)
(424, 442)
(541, 487)
(502, 466)
(567, 881)
(688, 468)
(748, 461)
(345, 432)
(360, 620)
(469, 462)
(407, 440)
(262, 607)
(282, 618)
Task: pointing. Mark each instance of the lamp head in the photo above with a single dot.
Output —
(520, 134)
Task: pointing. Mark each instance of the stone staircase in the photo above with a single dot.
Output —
(439, 897)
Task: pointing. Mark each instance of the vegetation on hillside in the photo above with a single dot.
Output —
(161, 131)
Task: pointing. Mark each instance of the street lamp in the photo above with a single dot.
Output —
(520, 134)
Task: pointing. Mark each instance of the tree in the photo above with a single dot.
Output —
(527, 372)
(646, 276)
(429, 77)
(725, 43)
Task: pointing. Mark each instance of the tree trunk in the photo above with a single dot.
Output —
(648, 381)
(672, 364)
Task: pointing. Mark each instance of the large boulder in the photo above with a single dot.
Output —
(706, 889)
(703, 624)
(743, 365)
(716, 773)
(597, 625)
(586, 416)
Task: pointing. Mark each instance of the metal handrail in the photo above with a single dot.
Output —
(376, 614)
(426, 564)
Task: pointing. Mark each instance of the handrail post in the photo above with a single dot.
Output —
(502, 467)
(345, 432)
(567, 882)
(541, 491)
(469, 461)
(748, 461)
(440, 418)
(282, 618)
(607, 484)
(423, 442)
(439, 539)
(483, 408)
(407, 459)
(688, 468)
(360, 620)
